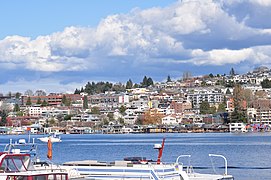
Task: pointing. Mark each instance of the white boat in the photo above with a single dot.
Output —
(19, 166)
(140, 168)
(54, 138)
(19, 161)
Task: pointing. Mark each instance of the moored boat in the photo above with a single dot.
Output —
(53, 138)
(19, 166)
(25, 163)
(135, 168)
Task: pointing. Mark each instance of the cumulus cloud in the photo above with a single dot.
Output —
(211, 32)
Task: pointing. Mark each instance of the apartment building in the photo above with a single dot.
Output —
(198, 95)
(52, 99)
(260, 111)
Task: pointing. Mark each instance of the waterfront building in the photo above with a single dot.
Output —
(260, 111)
(238, 127)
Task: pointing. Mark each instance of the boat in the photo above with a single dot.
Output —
(18, 166)
(19, 161)
(53, 138)
(135, 168)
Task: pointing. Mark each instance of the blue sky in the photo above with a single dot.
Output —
(58, 46)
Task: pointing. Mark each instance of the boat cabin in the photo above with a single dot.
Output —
(19, 166)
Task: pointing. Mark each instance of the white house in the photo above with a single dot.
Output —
(169, 120)
(238, 127)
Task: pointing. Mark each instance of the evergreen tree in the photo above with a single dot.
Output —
(82, 90)
(28, 102)
(232, 72)
(228, 91)
(149, 82)
(211, 75)
(44, 103)
(129, 84)
(39, 101)
(168, 78)
(136, 85)
(3, 116)
(77, 91)
(144, 82)
(85, 102)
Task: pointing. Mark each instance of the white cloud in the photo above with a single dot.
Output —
(196, 32)
(254, 55)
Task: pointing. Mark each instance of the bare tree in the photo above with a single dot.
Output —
(28, 92)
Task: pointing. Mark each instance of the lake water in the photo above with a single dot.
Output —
(248, 154)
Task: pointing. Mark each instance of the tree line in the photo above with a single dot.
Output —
(101, 87)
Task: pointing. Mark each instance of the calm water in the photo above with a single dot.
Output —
(248, 154)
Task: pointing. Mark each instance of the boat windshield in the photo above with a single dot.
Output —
(15, 163)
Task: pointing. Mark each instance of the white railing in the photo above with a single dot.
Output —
(225, 160)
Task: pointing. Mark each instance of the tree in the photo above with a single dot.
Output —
(221, 107)
(77, 91)
(266, 83)
(232, 72)
(3, 117)
(65, 101)
(16, 108)
(204, 107)
(28, 92)
(118, 88)
(144, 82)
(152, 116)
(136, 85)
(110, 116)
(238, 115)
(18, 95)
(40, 93)
(52, 121)
(149, 82)
(95, 110)
(122, 109)
(67, 117)
(211, 75)
(39, 101)
(85, 102)
(212, 110)
(228, 91)
(44, 103)
(28, 102)
(121, 120)
(168, 78)
(129, 84)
